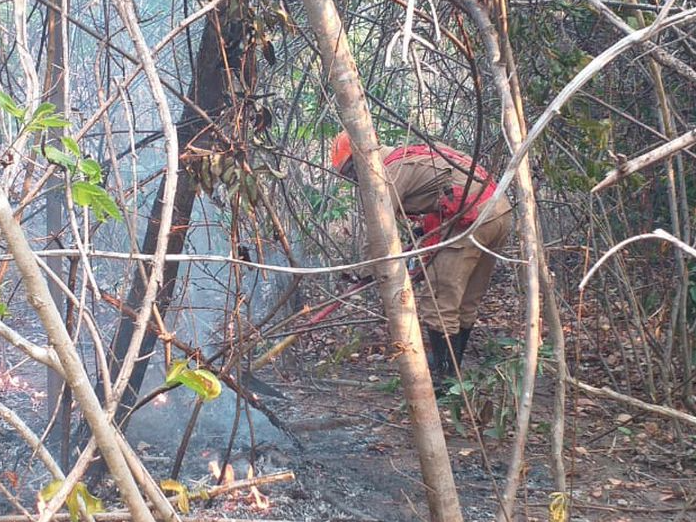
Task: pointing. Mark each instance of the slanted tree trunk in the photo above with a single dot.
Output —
(548, 288)
(394, 282)
(40, 298)
(208, 88)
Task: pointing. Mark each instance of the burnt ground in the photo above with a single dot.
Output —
(357, 460)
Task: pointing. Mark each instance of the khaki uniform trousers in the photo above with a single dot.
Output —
(460, 275)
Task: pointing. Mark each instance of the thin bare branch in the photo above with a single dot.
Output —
(42, 355)
(645, 160)
(657, 234)
(31, 439)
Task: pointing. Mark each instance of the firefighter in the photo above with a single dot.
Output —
(429, 184)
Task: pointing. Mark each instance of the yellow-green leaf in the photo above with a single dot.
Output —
(9, 106)
(92, 504)
(73, 505)
(45, 109)
(47, 493)
(181, 490)
(92, 169)
(175, 369)
(212, 385)
(97, 199)
(71, 145)
(282, 15)
(201, 381)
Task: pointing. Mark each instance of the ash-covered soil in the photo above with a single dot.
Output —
(356, 460)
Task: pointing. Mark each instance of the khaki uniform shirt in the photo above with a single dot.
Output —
(417, 183)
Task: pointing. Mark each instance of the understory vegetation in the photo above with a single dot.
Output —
(201, 130)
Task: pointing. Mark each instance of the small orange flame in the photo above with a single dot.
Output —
(215, 471)
(9, 382)
(214, 468)
(258, 499)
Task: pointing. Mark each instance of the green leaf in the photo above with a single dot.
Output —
(455, 411)
(625, 430)
(92, 170)
(8, 105)
(71, 145)
(201, 381)
(507, 341)
(464, 386)
(250, 189)
(4, 310)
(45, 117)
(391, 386)
(53, 155)
(493, 433)
(97, 199)
(43, 110)
(48, 122)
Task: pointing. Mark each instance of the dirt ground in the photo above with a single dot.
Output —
(356, 460)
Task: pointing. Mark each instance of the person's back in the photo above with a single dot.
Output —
(419, 176)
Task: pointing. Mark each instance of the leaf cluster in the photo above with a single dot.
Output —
(85, 173)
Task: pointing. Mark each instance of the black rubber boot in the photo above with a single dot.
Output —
(439, 356)
(459, 343)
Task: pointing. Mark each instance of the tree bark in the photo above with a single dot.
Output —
(207, 89)
(548, 288)
(530, 247)
(39, 297)
(394, 283)
(53, 91)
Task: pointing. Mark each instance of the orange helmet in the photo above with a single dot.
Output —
(340, 150)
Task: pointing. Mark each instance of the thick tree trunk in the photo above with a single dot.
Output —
(53, 91)
(207, 90)
(394, 282)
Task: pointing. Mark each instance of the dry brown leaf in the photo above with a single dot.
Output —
(652, 429)
(586, 403)
(582, 451)
(11, 477)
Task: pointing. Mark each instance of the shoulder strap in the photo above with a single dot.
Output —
(424, 150)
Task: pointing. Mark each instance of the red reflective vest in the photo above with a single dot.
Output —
(451, 202)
